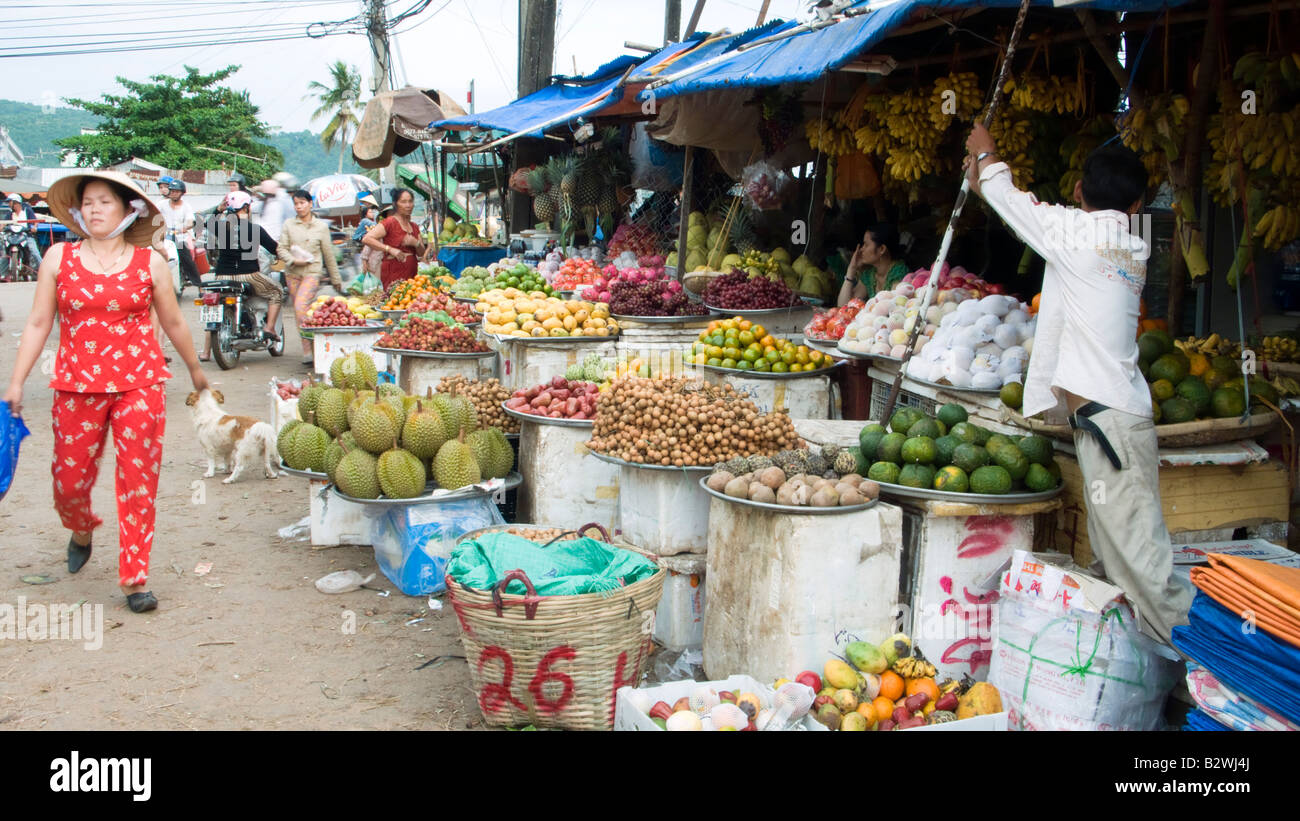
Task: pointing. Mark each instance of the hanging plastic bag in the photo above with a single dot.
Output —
(764, 185)
(363, 284)
(12, 433)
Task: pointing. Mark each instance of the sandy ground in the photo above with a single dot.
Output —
(250, 645)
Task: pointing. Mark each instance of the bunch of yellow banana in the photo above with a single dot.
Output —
(871, 140)
(1280, 349)
(955, 96)
(1048, 95)
(1279, 226)
(1256, 71)
(908, 166)
(914, 666)
(1156, 130)
(828, 138)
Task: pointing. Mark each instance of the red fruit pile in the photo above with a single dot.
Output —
(575, 273)
(557, 399)
(736, 291)
(829, 326)
(635, 238)
(287, 390)
(426, 335)
(459, 311)
(333, 315)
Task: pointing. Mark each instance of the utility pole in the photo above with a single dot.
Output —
(536, 55)
(672, 21)
(377, 30)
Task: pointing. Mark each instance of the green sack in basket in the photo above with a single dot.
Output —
(565, 568)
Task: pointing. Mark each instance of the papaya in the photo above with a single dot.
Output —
(981, 699)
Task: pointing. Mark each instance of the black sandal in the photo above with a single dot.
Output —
(142, 602)
(78, 555)
(270, 336)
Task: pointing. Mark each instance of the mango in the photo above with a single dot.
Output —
(829, 715)
(846, 700)
(854, 722)
(839, 675)
(867, 657)
(895, 647)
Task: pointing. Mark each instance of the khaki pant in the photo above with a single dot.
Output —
(1125, 522)
(262, 286)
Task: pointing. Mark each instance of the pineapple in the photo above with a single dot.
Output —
(742, 231)
(586, 190)
(544, 205)
(608, 204)
(568, 177)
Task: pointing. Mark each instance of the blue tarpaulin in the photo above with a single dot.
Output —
(806, 56)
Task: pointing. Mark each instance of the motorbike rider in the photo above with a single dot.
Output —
(20, 210)
(238, 182)
(180, 221)
(236, 239)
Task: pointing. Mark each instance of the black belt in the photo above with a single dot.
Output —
(1081, 420)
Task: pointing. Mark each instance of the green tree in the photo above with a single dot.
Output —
(167, 120)
(339, 102)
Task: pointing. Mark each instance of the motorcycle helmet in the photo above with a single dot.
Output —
(177, 185)
(237, 201)
(287, 181)
(237, 178)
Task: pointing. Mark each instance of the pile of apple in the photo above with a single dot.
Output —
(829, 326)
(557, 399)
(334, 313)
(575, 273)
(722, 710)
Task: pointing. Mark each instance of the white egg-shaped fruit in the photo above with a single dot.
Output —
(995, 304)
(986, 381)
(684, 720)
(961, 356)
(1006, 336)
(1017, 378)
(898, 350)
(730, 716)
(1028, 345)
(1016, 317)
(949, 320)
(987, 324)
(934, 314)
(970, 307)
(905, 289)
(880, 349)
(897, 337)
(958, 378)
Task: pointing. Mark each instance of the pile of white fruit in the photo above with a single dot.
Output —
(882, 326)
(980, 343)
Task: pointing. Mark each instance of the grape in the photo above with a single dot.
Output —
(736, 291)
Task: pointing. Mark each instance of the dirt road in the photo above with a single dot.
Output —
(249, 645)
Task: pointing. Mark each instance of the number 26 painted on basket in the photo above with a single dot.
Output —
(496, 696)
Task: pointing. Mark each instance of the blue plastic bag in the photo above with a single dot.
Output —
(12, 433)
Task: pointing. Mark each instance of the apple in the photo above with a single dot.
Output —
(683, 703)
(810, 680)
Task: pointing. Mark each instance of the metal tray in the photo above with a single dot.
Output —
(368, 328)
(394, 314)
(432, 354)
(757, 311)
(974, 498)
(832, 347)
(305, 474)
(511, 482)
(953, 388)
(767, 374)
(857, 355)
(611, 460)
(661, 320)
(798, 510)
(469, 300)
(547, 420)
(553, 340)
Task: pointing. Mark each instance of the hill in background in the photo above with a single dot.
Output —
(34, 129)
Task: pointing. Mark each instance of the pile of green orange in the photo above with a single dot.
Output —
(947, 452)
(739, 344)
(1185, 387)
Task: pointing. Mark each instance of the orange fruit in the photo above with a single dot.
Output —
(868, 711)
(883, 707)
(923, 685)
(891, 686)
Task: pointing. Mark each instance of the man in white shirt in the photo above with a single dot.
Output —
(180, 220)
(277, 207)
(1085, 361)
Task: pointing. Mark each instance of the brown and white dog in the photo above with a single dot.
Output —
(238, 442)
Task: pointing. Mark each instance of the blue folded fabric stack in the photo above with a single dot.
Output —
(1242, 656)
(1198, 720)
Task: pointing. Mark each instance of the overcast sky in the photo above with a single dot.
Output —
(446, 46)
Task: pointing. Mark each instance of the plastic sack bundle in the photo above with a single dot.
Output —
(565, 568)
(413, 543)
(363, 284)
(765, 186)
(1068, 654)
(12, 433)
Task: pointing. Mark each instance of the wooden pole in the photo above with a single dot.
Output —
(1186, 174)
(695, 18)
(762, 13)
(536, 53)
(688, 172)
(672, 21)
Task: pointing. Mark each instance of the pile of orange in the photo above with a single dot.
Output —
(410, 290)
(739, 344)
(894, 689)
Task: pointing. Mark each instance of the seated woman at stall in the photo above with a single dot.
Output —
(875, 266)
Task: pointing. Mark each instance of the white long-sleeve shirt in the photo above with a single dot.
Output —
(1085, 341)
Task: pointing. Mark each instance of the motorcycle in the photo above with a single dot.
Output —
(234, 317)
(15, 254)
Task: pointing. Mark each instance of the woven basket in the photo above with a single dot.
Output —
(697, 281)
(554, 661)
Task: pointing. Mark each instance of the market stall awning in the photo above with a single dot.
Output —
(791, 52)
(574, 96)
(426, 182)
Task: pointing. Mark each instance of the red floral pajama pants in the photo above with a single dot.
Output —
(81, 423)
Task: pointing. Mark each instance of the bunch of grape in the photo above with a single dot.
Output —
(421, 334)
(737, 291)
(657, 298)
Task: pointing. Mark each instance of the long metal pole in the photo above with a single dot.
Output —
(931, 285)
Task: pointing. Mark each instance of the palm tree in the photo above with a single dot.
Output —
(339, 103)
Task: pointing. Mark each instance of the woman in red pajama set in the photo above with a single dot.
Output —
(109, 373)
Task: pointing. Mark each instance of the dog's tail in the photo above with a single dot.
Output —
(264, 433)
